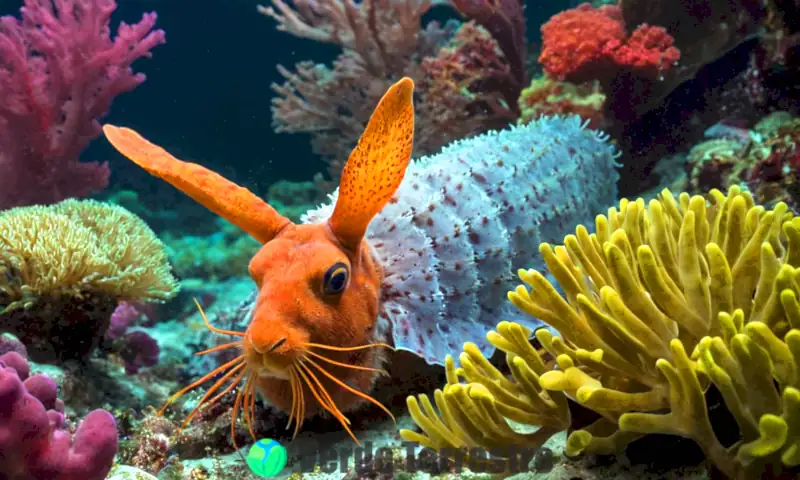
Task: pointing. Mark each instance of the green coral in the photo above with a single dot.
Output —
(224, 254)
(717, 278)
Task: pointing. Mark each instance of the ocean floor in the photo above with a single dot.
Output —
(322, 451)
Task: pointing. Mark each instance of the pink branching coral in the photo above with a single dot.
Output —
(59, 72)
(382, 41)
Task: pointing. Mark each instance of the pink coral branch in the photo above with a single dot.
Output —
(59, 72)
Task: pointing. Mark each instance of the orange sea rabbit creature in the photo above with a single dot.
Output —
(314, 319)
(419, 259)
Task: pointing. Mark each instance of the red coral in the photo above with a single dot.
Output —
(587, 43)
(573, 41)
(649, 49)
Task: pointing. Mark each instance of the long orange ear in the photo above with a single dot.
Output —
(234, 203)
(377, 165)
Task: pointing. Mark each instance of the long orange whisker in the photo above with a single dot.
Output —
(213, 328)
(228, 388)
(301, 406)
(197, 383)
(234, 416)
(331, 404)
(346, 365)
(253, 405)
(331, 408)
(298, 402)
(293, 386)
(219, 347)
(247, 405)
(348, 349)
(349, 388)
(213, 389)
(328, 403)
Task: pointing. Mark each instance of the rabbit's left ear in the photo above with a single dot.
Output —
(236, 204)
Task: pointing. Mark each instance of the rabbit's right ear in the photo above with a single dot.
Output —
(376, 167)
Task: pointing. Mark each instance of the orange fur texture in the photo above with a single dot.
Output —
(311, 345)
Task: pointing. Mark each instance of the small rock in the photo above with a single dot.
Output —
(544, 460)
(126, 472)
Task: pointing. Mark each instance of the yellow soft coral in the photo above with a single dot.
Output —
(473, 414)
(744, 364)
(651, 282)
(717, 278)
(64, 267)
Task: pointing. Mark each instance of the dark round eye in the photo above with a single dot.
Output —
(335, 279)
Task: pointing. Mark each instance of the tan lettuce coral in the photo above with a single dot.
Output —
(716, 278)
(64, 267)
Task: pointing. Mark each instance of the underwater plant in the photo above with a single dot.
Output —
(546, 97)
(64, 268)
(223, 254)
(467, 75)
(715, 279)
(60, 70)
(396, 255)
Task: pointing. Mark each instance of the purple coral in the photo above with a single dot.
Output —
(59, 72)
(137, 350)
(34, 443)
(125, 316)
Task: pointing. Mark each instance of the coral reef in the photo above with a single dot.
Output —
(34, 439)
(765, 158)
(468, 80)
(293, 199)
(459, 89)
(64, 268)
(223, 254)
(547, 97)
(505, 21)
(587, 43)
(59, 72)
(654, 282)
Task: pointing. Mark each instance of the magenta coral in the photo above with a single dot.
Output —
(138, 349)
(34, 443)
(59, 72)
(125, 316)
